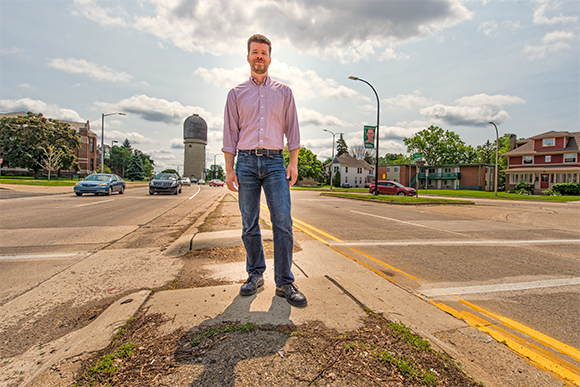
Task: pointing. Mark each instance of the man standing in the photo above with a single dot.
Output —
(258, 114)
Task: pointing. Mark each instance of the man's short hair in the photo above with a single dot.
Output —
(260, 39)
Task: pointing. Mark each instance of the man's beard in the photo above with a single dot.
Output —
(260, 70)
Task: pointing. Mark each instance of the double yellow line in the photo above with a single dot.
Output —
(537, 355)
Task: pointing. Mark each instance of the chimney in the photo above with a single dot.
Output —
(512, 142)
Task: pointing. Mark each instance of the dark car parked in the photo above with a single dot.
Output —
(165, 183)
(100, 183)
(393, 188)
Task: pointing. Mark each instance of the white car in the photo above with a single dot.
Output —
(201, 182)
(185, 181)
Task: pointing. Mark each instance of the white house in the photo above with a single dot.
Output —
(353, 172)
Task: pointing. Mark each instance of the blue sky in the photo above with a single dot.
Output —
(451, 63)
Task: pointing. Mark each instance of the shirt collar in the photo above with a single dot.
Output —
(266, 81)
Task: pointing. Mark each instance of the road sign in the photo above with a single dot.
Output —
(417, 156)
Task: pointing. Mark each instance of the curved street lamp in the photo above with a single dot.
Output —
(377, 134)
(332, 162)
(496, 157)
(103, 115)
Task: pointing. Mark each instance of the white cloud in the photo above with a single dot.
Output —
(176, 143)
(344, 30)
(545, 6)
(81, 66)
(477, 110)
(103, 16)
(133, 137)
(491, 28)
(552, 42)
(308, 116)
(304, 84)
(37, 106)
(408, 101)
(159, 110)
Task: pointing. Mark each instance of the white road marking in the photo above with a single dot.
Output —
(432, 293)
(40, 257)
(198, 189)
(428, 242)
(402, 221)
(90, 204)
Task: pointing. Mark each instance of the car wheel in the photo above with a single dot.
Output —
(151, 192)
(122, 191)
(79, 193)
(401, 193)
(110, 191)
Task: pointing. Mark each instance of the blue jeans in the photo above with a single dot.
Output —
(267, 172)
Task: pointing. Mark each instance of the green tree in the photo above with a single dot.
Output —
(52, 159)
(309, 167)
(341, 147)
(135, 170)
(25, 141)
(336, 182)
(120, 157)
(486, 155)
(438, 146)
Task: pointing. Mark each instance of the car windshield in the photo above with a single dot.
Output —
(165, 176)
(398, 184)
(98, 178)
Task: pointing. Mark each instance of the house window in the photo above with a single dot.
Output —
(92, 140)
(359, 171)
(569, 157)
(92, 166)
(528, 159)
(431, 170)
(336, 169)
(396, 169)
(388, 169)
(548, 142)
(548, 159)
(447, 170)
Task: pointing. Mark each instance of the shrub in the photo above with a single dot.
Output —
(523, 188)
(567, 188)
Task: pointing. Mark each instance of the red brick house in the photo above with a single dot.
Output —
(544, 160)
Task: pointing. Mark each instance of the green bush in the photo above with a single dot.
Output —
(523, 188)
(567, 188)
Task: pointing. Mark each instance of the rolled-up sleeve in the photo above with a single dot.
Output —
(291, 124)
(231, 124)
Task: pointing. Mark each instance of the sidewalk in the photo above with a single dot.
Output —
(338, 289)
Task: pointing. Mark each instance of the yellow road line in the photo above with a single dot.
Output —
(559, 367)
(538, 336)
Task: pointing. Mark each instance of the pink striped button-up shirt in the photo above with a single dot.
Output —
(259, 116)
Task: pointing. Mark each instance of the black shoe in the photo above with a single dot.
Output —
(251, 285)
(294, 297)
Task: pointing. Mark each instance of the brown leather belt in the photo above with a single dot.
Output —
(262, 151)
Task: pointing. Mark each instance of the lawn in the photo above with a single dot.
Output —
(41, 181)
(453, 193)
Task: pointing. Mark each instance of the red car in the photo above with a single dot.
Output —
(216, 183)
(393, 188)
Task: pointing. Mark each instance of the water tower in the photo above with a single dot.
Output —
(195, 140)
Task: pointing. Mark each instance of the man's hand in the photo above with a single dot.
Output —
(232, 181)
(231, 178)
(292, 170)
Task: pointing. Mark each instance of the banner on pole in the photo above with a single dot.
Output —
(369, 136)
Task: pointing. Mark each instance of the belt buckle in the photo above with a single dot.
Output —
(261, 152)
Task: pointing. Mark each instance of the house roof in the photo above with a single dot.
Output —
(347, 160)
(528, 144)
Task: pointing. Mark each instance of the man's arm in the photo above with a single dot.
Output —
(231, 178)
(292, 170)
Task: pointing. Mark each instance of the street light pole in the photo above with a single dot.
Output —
(103, 115)
(332, 161)
(496, 157)
(377, 134)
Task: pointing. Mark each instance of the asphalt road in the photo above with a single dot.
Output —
(40, 236)
(518, 260)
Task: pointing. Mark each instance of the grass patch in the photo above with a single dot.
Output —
(397, 198)
(41, 181)
(500, 195)
(107, 365)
